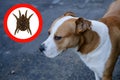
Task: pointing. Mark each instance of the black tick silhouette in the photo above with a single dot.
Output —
(22, 22)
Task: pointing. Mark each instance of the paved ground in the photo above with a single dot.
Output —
(24, 61)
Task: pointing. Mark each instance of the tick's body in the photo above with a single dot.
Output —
(22, 23)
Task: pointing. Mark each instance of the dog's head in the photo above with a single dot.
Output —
(64, 33)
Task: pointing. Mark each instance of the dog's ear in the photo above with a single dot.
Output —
(82, 25)
(69, 14)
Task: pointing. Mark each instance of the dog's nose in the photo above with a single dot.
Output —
(42, 47)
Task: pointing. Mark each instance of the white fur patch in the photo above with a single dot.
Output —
(51, 50)
(96, 59)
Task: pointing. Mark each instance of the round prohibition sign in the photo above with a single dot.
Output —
(12, 24)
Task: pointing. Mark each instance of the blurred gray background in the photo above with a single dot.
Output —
(24, 61)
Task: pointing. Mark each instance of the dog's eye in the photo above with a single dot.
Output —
(57, 37)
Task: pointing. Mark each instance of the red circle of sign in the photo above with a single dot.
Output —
(39, 26)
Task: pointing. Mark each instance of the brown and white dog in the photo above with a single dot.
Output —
(96, 42)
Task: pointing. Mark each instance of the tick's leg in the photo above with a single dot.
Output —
(30, 31)
(15, 31)
(27, 30)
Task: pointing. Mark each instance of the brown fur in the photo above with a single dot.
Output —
(88, 37)
(112, 20)
(69, 14)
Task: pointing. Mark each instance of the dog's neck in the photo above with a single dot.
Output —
(87, 39)
(101, 53)
(91, 39)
